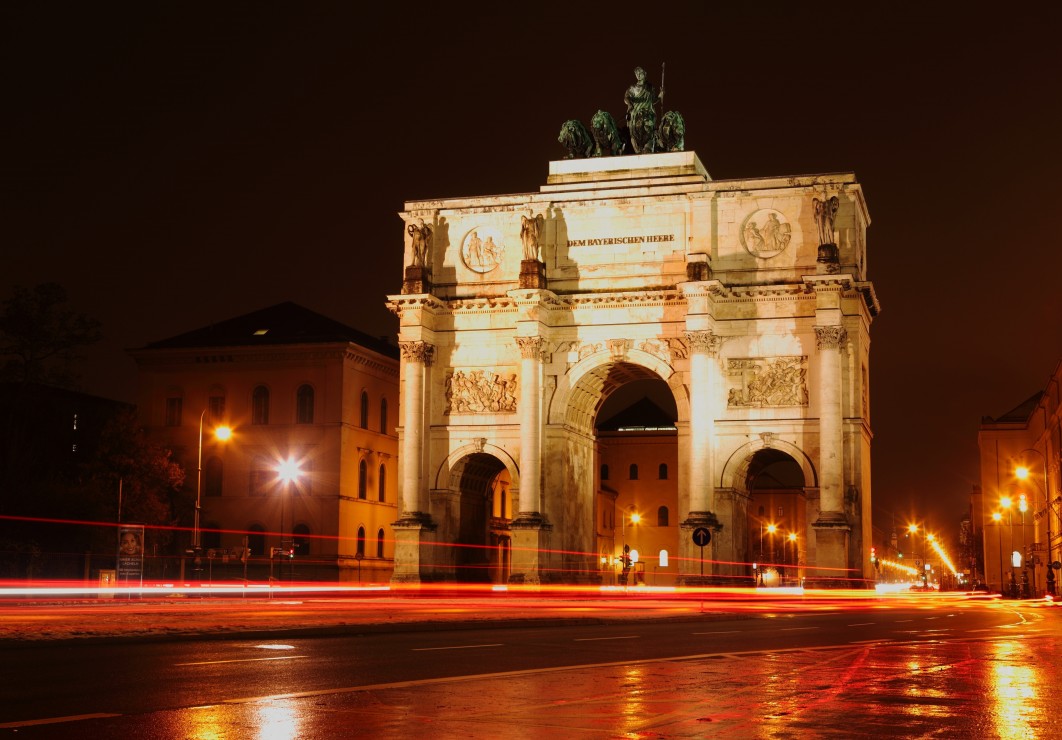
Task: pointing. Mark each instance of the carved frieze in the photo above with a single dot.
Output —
(618, 348)
(417, 352)
(481, 392)
(830, 337)
(762, 382)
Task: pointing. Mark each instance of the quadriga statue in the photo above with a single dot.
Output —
(608, 142)
(576, 140)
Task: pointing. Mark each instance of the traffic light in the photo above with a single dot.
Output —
(874, 555)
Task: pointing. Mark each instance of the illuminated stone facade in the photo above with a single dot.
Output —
(747, 298)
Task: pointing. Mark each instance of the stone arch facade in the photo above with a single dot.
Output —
(642, 268)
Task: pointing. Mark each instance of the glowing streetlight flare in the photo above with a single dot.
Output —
(223, 433)
(1021, 472)
(288, 470)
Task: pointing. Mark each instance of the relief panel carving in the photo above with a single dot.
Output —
(766, 233)
(481, 392)
(767, 382)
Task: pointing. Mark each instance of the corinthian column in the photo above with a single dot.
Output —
(531, 356)
(416, 356)
(704, 348)
(830, 341)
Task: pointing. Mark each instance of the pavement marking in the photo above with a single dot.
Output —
(720, 632)
(242, 660)
(459, 647)
(903, 621)
(55, 720)
(862, 624)
(591, 639)
(795, 629)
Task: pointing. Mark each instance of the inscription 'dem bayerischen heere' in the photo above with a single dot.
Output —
(652, 239)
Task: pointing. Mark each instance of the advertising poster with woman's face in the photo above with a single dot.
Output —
(130, 552)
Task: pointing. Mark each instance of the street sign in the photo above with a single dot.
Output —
(701, 536)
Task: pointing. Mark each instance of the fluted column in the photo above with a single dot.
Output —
(704, 348)
(416, 356)
(830, 342)
(531, 349)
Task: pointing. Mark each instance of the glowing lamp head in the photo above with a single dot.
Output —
(771, 529)
(1005, 502)
(792, 537)
(635, 518)
(288, 470)
(996, 516)
(912, 528)
(223, 433)
(1021, 472)
(1023, 504)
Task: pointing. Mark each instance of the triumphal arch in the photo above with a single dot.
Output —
(745, 302)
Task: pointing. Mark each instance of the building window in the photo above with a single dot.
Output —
(364, 410)
(380, 544)
(383, 416)
(661, 517)
(212, 477)
(361, 541)
(211, 536)
(173, 411)
(781, 512)
(383, 483)
(634, 472)
(604, 472)
(363, 480)
(260, 405)
(304, 405)
(300, 538)
(216, 408)
(663, 471)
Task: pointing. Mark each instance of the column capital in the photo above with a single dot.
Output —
(830, 337)
(532, 348)
(704, 341)
(421, 352)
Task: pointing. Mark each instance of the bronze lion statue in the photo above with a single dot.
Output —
(672, 134)
(576, 140)
(608, 142)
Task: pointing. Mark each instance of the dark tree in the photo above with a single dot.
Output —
(40, 336)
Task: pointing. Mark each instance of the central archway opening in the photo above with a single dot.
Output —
(777, 534)
(636, 511)
(481, 552)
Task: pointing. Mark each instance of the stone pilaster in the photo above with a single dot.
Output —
(529, 529)
(416, 358)
(831, 527)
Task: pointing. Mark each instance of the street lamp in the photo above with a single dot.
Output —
(912, 529)
(222, 433)
(288, 472)
(625, 556)
(1005, 502)
(1022, 472)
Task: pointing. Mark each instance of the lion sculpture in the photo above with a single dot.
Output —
(608, 142)
(576, 139)
(672, 134)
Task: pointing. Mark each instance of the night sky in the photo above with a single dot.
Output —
(173, 164)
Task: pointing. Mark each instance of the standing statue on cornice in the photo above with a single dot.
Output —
(641, 99)
(529, 235)
(825, 212)
(420, 234)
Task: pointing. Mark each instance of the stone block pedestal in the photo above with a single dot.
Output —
(414, 549)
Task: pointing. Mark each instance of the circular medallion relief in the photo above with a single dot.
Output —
(481, 250)
(766, 233)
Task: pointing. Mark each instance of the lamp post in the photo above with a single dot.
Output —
(1022, 473)
(912, 529)
(998, 519)
(222, 433)
(1005, 502)
(1023, 506)
(791, 538)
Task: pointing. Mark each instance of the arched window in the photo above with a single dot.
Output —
(383, 416)
(260, 405)
(300, 537)
(361, 541)
(604, 472)
(256, 540)
(364, 410)
(216, 406)
(174, 404)
(380, 544)
(383, 483)
(663, 471)
(661, 517)
(363, 479)
(634, 472)
(304, 405)
(212, 477)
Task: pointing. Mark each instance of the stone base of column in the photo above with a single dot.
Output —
(696, 563)
(832, 532)
(532, 274)
(530, 549)
(829, 260)
(415, 549)
(417, 280)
